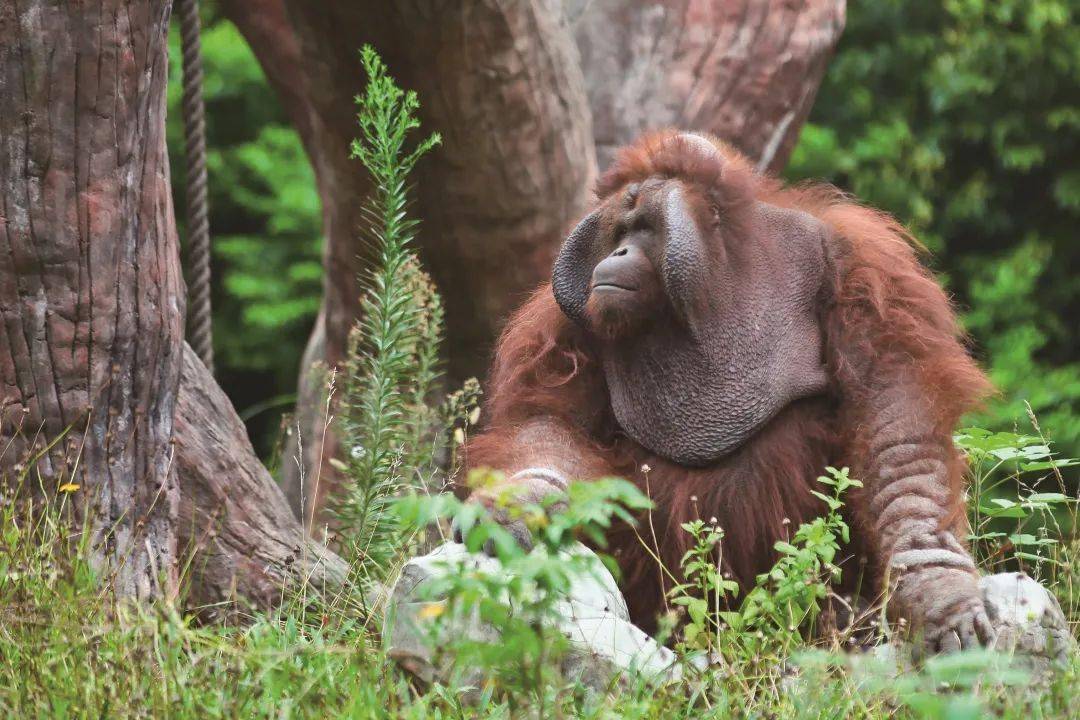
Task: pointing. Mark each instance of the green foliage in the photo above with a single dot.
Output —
(785, 601)
(393, 351)
(788, 597)
(519, 598)
(265, 208)
(1022, 513)
(962, 119)
(67, 651)
(705, 585)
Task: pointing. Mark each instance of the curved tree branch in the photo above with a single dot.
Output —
(236, 528)
(746, 71)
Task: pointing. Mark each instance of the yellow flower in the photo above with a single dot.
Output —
(432, 610)
(68, 487)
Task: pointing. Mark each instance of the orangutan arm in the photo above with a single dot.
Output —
(914, 504)
(535, 460)
(906, 379)
(544, 396)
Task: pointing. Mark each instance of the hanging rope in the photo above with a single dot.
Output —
(197, 265)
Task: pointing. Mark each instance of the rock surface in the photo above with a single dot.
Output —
(604, 644)
(1027, 617)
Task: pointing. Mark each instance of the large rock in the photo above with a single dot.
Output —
(603, 644)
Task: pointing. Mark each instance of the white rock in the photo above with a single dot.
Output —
(604, 644)
(1027, 617)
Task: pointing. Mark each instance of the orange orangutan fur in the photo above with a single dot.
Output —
(884, 317)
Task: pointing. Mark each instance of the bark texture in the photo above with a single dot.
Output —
(236, 527)
(91, 295)
(745, 70)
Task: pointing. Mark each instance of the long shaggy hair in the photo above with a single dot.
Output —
(884, 315)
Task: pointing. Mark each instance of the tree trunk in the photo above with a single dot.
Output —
(91, 295)
(242, 542)
(91, 300)
(501, 82)
(745, 70)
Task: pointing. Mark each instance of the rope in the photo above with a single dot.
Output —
(197, 265)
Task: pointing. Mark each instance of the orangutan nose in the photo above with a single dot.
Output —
(619, 269)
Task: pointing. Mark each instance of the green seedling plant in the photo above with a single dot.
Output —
(1020, 503)
(392, 357)
(780, 610)
(706, 585)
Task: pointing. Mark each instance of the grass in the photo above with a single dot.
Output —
(67, 650)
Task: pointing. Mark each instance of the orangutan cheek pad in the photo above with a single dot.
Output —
(745, 342)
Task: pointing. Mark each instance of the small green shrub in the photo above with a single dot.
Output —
(1022, 513)
(780, 611)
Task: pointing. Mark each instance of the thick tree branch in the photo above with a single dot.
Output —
(745, 70)
(237, 529)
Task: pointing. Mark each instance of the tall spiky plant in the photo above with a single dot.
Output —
(393, 349)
